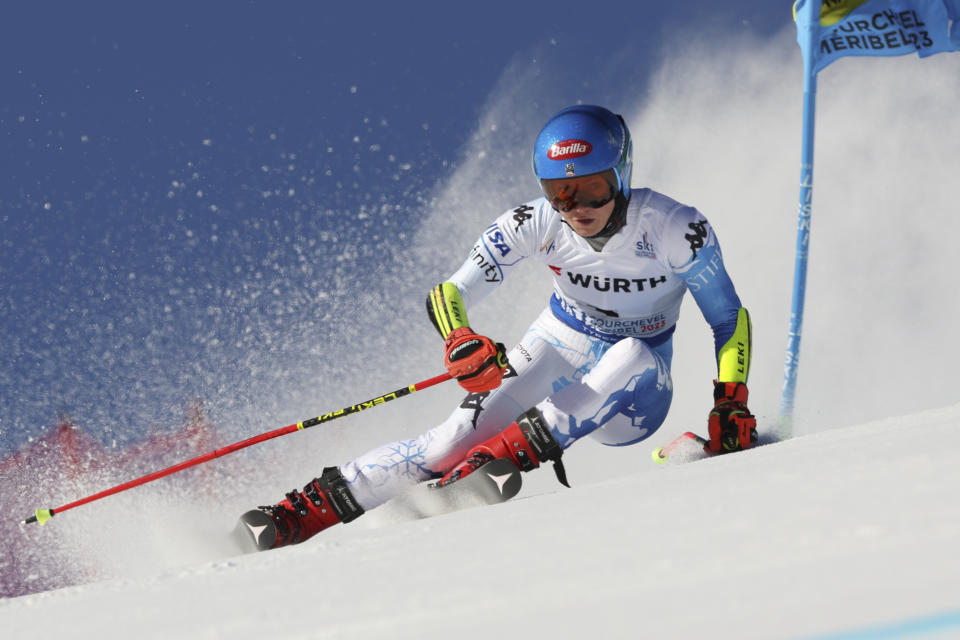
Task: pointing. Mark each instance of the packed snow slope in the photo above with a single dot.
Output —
(848, 530)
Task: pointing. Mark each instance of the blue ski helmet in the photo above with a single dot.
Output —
(581, 140)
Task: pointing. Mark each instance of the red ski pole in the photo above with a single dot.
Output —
(42, 515)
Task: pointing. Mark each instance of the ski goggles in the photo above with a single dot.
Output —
(593, 190)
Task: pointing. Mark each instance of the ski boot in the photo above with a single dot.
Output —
(324, 502)
(526, 443)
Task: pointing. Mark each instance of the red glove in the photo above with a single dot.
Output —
(732, 426)
(474, 360)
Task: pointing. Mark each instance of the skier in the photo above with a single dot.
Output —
(596, 362)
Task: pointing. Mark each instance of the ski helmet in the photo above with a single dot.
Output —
(581, 140)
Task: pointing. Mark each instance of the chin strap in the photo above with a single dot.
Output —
(617, 219)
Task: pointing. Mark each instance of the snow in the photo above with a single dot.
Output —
(841, 530)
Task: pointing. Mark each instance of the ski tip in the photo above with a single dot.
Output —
(659, 456)
(495, 481)
(255, 531)
(505, 476)
(40, 516)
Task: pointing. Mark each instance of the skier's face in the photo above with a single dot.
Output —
(587, 221)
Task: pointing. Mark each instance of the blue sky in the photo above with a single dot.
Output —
(184, 182)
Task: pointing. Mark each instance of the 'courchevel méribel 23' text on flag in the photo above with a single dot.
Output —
(880, 28)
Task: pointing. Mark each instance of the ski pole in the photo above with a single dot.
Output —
(42, 515)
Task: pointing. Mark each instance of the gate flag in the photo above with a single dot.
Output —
(879, 28)
(831, 29)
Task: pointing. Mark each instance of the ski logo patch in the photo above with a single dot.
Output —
(645, 248)
(500, 480)
(497, 239)
(569, 149)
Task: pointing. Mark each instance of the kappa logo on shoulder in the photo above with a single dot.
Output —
(521, 214)
(697, 237)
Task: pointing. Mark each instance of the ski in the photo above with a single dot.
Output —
(686, 447)
(494, 482)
